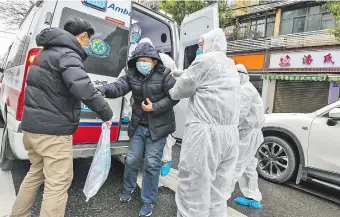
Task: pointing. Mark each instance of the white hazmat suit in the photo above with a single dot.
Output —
(136, 33)
(210, 142)
(250, 125)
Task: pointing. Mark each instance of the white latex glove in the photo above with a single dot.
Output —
(177, 73)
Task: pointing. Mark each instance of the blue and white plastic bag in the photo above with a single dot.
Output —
(100, 166)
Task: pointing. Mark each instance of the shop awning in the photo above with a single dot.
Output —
(295, 77)
(334, 78)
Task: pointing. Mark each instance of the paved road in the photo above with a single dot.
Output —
(278, 200)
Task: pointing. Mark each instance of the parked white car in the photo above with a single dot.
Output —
(302, 146)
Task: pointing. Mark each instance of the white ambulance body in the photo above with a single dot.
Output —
(111, 20)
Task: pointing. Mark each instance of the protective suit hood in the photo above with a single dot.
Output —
(244, 77)
(167, 60)
(214, 41)
(146, 40)
(137, 31)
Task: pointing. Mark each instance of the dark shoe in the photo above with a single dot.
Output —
(126, 196)
(146, 209)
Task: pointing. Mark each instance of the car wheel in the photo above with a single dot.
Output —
(277, 160)
(6, 154)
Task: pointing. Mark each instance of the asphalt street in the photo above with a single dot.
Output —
(278, 200)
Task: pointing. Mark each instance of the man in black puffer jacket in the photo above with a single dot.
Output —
(56, 85)
(152, 120)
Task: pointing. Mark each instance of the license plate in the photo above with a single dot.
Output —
(84, 108)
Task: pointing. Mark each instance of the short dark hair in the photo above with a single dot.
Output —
(77, 26)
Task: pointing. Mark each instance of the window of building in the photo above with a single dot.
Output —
(310, 18)
(270, 26)
(258, 27)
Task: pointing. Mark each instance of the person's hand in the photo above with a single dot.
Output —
(108, 123)
(176, 73)
(148, 106)
(101, 90)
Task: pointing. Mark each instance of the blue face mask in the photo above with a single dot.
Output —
(134, 37)
(144, 67)
(199, 51)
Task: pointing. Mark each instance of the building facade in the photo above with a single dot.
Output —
(292, 59)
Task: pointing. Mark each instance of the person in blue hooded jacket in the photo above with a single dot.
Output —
(152, 120)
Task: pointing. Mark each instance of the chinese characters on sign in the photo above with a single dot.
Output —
(307, 60)
(328, 58)
(285, 60)
(314, 59)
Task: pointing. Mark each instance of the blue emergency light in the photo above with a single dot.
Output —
(97, 4)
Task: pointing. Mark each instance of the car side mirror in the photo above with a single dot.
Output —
(334, 117)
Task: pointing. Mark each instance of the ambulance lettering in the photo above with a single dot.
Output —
(120, 10)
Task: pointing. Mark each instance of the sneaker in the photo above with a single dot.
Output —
(165, 168)
(126, 196)
(248, 202)
(146, 209)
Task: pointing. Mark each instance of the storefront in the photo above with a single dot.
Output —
(254, 64)
(304, 80)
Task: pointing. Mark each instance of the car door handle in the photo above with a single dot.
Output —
(304, 128)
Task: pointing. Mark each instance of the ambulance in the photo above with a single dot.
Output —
(111, 20)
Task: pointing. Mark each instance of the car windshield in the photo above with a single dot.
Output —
(328, 107)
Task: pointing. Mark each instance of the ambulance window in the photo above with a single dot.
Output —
(18, 52)
(156, 30)
(189, 55)
(108, 47)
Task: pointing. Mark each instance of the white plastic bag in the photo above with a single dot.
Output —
(100, 166)
(167, 152)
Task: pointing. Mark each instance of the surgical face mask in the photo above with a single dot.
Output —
(144, 67)
(199, 51)
(87, 50)
(134, 37)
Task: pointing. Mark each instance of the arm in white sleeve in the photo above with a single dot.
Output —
(187, 84)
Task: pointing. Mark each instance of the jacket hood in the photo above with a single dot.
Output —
(56, 37)
(244, 77)
(214, 41)
(143, 50)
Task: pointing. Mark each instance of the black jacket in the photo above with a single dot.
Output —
(56, 85)
(161, 120)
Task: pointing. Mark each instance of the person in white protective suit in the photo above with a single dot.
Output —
(135, 35)
(250, 125)
(210, 142)
(170, 141)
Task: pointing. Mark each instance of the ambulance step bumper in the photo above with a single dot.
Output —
(88, 150)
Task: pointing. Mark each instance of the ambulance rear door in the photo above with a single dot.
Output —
(111, 22)
(192, 27)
